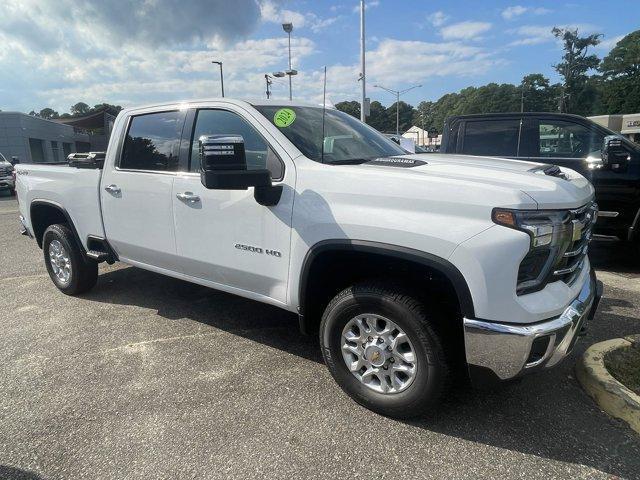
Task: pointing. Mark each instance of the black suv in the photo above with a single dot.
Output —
(609, 161)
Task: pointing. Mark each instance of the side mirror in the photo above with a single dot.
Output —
(614, 154)
(223, 166)
(14, 161)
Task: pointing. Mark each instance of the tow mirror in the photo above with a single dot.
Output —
(614, 154)
(223, 166)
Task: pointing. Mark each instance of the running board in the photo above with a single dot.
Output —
(605, 238)
(97, 255)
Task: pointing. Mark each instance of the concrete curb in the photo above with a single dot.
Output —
(612, 396)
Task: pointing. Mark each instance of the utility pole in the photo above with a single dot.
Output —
(362, 65)
(221, 76)
(267, 79)
(397, 93)
(288, 27)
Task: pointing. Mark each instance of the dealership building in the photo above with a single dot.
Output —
(628, 125)
(31, 139)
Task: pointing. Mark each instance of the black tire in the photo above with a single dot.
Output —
(432, 371)
(84, 272)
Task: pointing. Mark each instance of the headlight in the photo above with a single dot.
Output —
(551, 234)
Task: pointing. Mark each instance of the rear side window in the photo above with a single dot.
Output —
(491, 137)
(568, 140)
(153, 142)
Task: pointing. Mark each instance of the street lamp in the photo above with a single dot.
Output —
(397, 93)
(288, 27)
(221, 76)
(267, 79)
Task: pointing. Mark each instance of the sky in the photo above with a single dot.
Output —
(54, 53)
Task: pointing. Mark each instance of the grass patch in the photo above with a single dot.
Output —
(624, 365)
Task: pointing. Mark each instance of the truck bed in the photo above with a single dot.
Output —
(76, 190)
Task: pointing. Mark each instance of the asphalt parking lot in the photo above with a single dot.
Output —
(151, 377)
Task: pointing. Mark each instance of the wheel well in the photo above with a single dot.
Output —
(334, 270)
(43, 215)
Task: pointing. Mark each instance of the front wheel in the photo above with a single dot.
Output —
(67, 267)
(380, 347)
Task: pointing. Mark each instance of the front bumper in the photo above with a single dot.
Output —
(7, 182)
(502, 351)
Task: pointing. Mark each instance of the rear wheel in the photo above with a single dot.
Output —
(379, 345)
(67, 267)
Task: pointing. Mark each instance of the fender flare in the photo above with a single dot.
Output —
(408, 254)
(66, 215)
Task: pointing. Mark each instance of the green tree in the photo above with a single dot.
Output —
(621, 76)
(378, 117)
(111, 109)
(79, 108)
(48, 113)
(351, 107)
(406, 117)
(537, 94)
(578, 94)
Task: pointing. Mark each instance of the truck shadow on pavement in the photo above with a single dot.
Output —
(12, 473)
(546, 415)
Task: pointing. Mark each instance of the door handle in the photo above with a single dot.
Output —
(113, 189)
(188, 197)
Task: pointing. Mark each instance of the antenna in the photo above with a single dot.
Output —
(324, 109)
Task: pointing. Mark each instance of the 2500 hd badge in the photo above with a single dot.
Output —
(249, 248)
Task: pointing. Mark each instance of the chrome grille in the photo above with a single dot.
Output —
(5, 171)
(580, 224)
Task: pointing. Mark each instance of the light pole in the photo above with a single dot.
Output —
(267, 79)
(397, 93)
(221, 76)
(363, 116)
(288, 27)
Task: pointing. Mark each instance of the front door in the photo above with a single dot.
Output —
(136, 193)
(224, 237)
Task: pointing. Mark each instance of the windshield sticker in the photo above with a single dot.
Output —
(284, 117)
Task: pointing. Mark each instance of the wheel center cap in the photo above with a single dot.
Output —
(375, 355)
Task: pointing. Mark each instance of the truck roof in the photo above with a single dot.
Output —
(516, 114)
(233, 101)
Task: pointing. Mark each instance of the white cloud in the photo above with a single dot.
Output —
(271, 12)
(367, 5)
(514, 11)
(537, 34)
(437, 19)
(608, 43)
(465, 30)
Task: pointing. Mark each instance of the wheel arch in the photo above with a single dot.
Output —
(44, 213)
(384, 251)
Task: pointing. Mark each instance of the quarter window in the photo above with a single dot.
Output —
(153, 142)
(223, 122)
(568, 140)
(491, 137)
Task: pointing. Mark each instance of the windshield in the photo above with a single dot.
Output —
(345, 138)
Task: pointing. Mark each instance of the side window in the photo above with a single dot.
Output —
(491, 137)
(568, 140)
(152, 142)
(222, 122)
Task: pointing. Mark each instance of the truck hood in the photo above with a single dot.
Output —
(551, 187)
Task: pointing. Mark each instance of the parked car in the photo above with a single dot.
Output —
(567, 141)
(7, 180)
(407, 266)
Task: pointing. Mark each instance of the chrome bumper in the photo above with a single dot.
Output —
(507, 351)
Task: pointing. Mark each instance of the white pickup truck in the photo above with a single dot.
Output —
(407, 266)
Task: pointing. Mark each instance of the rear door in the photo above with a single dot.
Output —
(225, 237)
(136, 192)
(490, 137)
